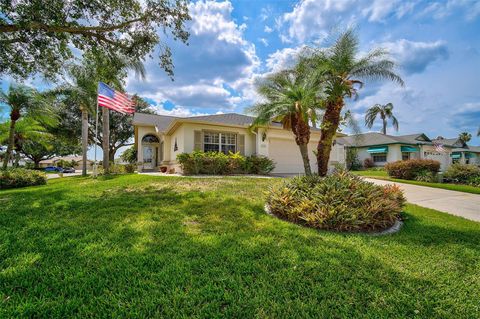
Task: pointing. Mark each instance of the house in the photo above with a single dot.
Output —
(459, 151)
(382, 148)
(78, 160)
(160, 138)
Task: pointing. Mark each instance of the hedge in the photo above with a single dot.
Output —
(20, 177)
(463, 174)
(413, 169)
(216, 163)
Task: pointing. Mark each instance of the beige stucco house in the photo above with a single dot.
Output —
(160, 138)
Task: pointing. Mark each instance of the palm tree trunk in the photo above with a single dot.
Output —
(302, 137)
(11, 142)
(331, 120)
(106, 137)
(306, 160)
(384, 129)
(84, 141)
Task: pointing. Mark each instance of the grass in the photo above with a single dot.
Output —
(453, 187)
(145, 246)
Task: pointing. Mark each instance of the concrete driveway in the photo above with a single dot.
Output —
(452, 202)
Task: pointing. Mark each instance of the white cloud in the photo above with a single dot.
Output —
(264, 41)
(442, 9)
(282, 59)
(218, 56)
(414, 57)
(315, 18)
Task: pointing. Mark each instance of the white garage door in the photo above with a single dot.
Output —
(286, 155)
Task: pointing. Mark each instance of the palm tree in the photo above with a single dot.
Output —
(23, 100)
(465, 137)
(290, 99)
(385, 112)
(82, 90)
(342, 73)
(26, 129)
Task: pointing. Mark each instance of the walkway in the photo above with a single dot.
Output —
(452, 202)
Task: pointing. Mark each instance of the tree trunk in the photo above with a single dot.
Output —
(111, 154)
(11, 142)
(36, 163)
(106, 138)
(84, 141)
(331, 120)
(384, 129)
(302, 137)
(306, 160)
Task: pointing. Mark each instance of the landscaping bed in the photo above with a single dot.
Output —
(176, 247)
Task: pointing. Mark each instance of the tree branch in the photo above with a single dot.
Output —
(9, 28)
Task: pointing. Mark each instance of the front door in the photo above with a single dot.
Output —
(149, 157)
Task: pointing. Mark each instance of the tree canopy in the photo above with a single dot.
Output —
(39, 36)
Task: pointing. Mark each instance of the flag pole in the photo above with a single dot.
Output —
(96, 139)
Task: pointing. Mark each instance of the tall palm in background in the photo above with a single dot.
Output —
(385, 112)
(342, 74)
(291, 99)
(465, 137)
(24, 101)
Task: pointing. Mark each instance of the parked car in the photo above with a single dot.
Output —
(53, 169)
(68, 170)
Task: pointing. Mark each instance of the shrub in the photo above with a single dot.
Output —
(214, 163)
(463, 174)
(340, 201)
(368, 163)
(218, 163)
(412, 168)
(20, 177)
(352, 160)
(258, 165)
(115, 169)
(130, 168)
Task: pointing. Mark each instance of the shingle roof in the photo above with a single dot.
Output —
(449, 141)
(162, 122)
(372, 138)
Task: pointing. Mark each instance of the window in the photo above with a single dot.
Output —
(219, 142)
(405, 156)
(380, 157)
(150, 139)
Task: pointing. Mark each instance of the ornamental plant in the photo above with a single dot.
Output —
(340, 202)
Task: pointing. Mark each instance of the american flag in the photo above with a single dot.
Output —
(439, 147)
(114, 100)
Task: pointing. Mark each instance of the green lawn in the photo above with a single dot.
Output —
(453, 187)
(142, 246)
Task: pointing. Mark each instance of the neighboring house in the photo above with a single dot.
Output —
(160, 138)
(77, 159)
(383, 149)
(459, 151)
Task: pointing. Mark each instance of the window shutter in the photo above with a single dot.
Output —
(241, 144)
(197, 141)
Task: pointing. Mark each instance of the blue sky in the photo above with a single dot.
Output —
(435, 43)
